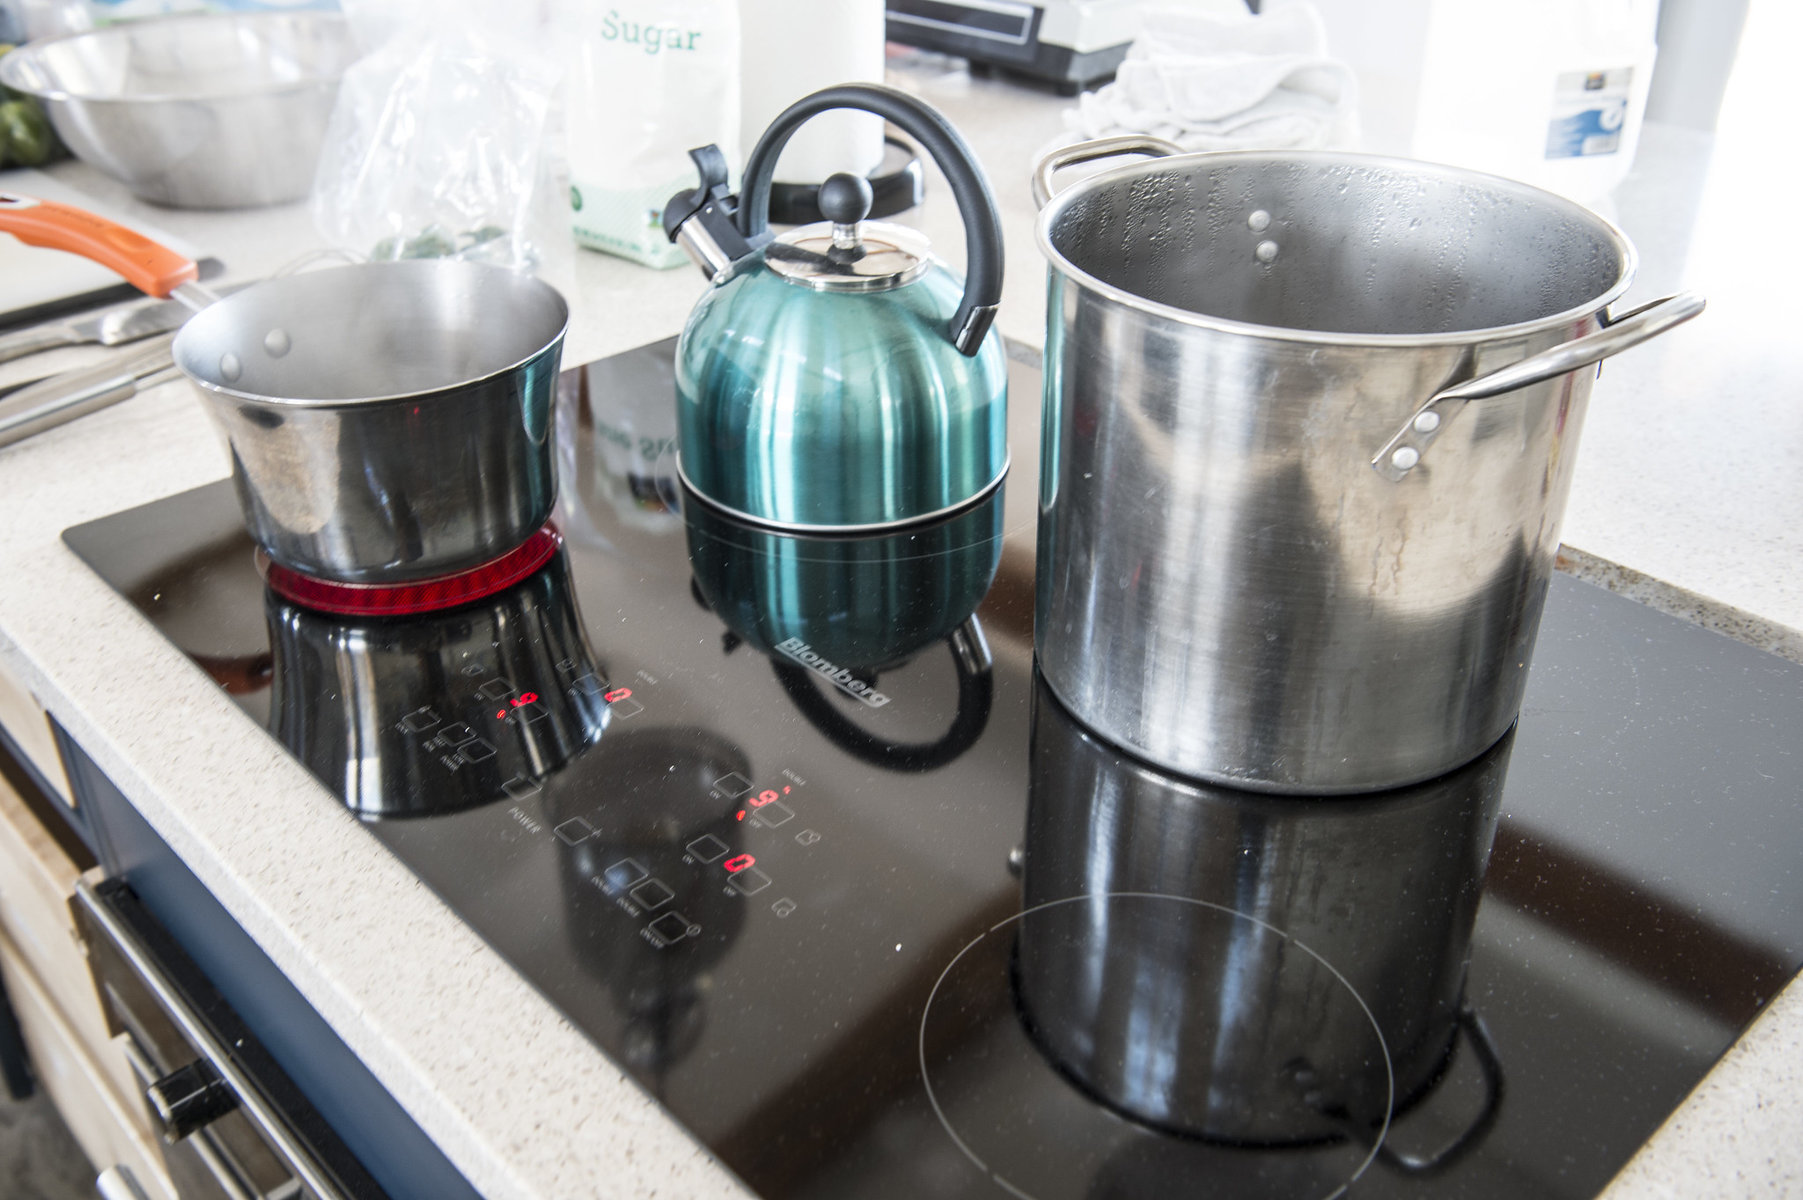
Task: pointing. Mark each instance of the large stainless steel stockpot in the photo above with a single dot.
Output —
(1273, 551)
(387, 421)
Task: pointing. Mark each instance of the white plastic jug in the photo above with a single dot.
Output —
(1551, 92)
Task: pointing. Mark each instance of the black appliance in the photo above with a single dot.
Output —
(787, 827)
(1070, 45)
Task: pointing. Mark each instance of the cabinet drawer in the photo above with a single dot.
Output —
(26, 724)
(104, 1123)
(37, 882)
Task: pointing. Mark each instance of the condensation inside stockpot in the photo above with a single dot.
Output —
(1337, 247)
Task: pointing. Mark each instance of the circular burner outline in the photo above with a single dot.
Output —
(945, 1123)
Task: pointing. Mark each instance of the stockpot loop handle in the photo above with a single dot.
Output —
(982, 223)
(1082, 152)
(1402, 453)
(1490, 1064)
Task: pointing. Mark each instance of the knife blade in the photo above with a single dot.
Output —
(109, 327)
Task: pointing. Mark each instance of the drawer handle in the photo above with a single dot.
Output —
(117, 1183)
(190, 1098)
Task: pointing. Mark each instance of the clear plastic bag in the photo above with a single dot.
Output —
(433, 148)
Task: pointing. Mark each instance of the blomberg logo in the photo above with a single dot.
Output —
(834, 674)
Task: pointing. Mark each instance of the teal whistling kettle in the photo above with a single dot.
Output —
(839, 377)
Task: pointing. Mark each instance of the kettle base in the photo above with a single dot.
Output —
(939, 514)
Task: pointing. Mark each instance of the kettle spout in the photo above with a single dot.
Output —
(703, 221)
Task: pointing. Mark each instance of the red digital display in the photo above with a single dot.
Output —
(739, 863)
(767, 796)
(617, 694)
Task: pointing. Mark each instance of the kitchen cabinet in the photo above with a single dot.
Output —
(96, 1058)
(75, 1057)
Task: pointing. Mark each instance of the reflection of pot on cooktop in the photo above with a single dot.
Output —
(660, 827)
(834, 613)
(1240, 967)
(440, 712)
(1262, 995)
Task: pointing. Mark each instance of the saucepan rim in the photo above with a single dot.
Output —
(425, 267)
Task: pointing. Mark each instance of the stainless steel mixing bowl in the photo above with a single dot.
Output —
(207, 111)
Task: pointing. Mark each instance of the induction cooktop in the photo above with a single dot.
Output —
(788, 827)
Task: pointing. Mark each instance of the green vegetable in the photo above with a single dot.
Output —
(7, 93)
(432, 242)
(25, 137)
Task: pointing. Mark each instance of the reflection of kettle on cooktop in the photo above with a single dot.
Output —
(439, 712)
(651, 839)
(836, 613)
(1266, 993)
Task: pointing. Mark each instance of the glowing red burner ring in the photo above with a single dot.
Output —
(415, 596)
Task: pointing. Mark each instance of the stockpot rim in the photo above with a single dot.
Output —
(1057, 261)
(418, 266)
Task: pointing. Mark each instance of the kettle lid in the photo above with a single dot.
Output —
(870, 256)
(845, 252)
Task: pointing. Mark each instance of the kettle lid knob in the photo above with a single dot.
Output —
(845, 198)
(845, 201)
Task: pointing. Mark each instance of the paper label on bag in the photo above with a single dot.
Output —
(628, 222)
(1589, 111)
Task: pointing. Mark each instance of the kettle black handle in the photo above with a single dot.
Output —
(982, 223)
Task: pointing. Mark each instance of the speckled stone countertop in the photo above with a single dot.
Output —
(1689, 495)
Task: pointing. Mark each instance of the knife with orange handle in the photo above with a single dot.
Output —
(149, 266)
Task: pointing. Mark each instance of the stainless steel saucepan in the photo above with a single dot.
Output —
(387, 422)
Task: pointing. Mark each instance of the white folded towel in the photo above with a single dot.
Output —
(1226, 82)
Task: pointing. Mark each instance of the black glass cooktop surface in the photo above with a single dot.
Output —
(789, 829)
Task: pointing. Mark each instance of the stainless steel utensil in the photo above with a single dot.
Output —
(1234, 341)
(115, 326)
(205, 111)
(47, 403)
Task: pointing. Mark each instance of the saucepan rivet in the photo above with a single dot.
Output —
(1427, 422)
(1259, 221)
(1266, 251)
(1405, 458)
